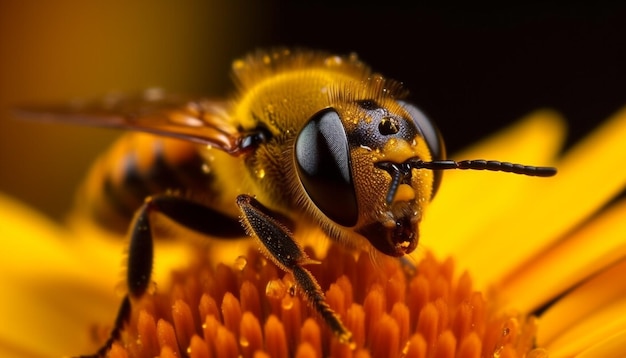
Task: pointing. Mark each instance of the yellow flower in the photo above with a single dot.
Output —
(507, 266)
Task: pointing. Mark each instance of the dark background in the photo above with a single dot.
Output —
(473, 70)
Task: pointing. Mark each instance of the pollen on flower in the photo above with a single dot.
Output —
(249, 309)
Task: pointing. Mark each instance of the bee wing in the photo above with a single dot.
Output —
(198, 120)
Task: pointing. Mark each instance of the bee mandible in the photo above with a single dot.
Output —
(309, 139)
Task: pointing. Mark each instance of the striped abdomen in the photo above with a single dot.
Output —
(136, 167)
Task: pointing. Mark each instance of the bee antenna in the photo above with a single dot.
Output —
(480, 164)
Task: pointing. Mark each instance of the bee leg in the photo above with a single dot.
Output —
(186, 212)
(284, 251)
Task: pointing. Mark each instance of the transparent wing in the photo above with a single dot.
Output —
(200, 120)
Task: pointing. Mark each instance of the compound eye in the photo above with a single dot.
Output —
(322, 160)
(433, 139)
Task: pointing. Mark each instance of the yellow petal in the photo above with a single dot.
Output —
(597, 245)
(59, 285)
(605, 322)
(587, 315)
(547, 209)
(611, 347)
(28, 237)
(471, 202)
(50, 295)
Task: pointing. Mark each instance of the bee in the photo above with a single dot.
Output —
(310, 139)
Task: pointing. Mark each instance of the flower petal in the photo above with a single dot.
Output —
(587, 315)
(597, 245)
(611, 347)
(588, 177)
(28, 236)
(481, 198)
(50, 295)
(59, 285)
(606, 322)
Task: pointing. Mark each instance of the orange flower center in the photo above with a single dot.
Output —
(393, 308)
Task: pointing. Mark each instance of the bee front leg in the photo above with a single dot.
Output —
(185, 212)
(284, 251)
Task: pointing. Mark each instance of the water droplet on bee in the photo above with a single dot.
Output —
(260, 173)
(206, 169)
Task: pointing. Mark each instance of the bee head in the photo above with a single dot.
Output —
(354, 162)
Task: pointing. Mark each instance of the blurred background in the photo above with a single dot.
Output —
(472, 70)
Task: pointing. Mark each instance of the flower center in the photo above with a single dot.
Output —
(393, 308)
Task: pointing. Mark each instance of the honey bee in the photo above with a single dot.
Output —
(310, 139)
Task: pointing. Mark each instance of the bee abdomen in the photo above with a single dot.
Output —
(138, 166)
